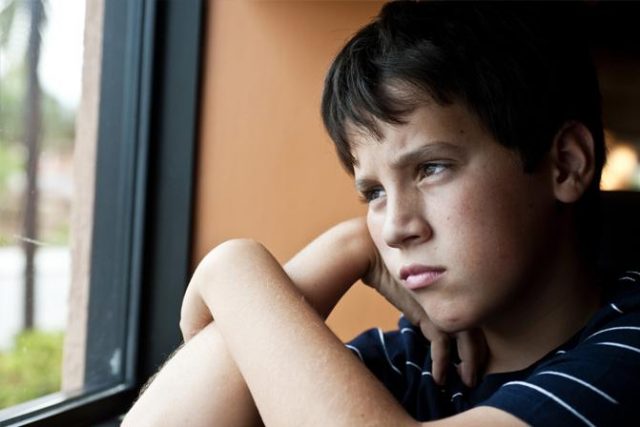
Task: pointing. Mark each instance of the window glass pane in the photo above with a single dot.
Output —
(41, 75)
(76, 333)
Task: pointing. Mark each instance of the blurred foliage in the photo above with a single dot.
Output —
(58, 121)
(11, 167)
(10, 163)
(58, 126)
(31, 368)
(56, 235)
(58, 130)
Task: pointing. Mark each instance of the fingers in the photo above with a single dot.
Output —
(440, 354)
(440, 358)
(472, 349)
(401, 298)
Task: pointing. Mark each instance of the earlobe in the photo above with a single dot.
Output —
(572, 156)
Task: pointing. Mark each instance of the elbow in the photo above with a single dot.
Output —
(231, 251)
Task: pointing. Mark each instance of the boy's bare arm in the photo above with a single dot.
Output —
(298, 372)
(199, 386)
(201, 383)
(322, 271)
(325, 269)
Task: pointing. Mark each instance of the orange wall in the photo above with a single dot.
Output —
(267, 170)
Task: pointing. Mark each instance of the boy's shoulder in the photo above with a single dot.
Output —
(623, 291)
(589, 378)
(593, 378)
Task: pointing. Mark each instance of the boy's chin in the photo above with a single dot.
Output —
(453, 325)
(449, 318)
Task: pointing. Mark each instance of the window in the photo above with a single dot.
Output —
(41, 52)
(135, 194)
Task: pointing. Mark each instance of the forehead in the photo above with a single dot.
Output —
(429, 129)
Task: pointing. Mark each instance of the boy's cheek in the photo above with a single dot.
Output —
(374, 225)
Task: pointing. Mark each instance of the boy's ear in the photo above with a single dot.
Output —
(572, 156)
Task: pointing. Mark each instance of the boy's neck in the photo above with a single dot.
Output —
(544, 318)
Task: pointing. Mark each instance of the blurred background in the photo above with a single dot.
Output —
(41, 46)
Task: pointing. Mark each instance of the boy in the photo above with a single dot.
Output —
(473, 133)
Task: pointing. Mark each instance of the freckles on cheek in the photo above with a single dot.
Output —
(475, 226)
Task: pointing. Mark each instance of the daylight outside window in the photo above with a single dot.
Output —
(87, 96)
(47, 154)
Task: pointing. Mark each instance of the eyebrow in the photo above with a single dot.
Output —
(431, 149)
(364, 184)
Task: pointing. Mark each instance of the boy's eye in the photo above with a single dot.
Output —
(372, 194)
(430, 169)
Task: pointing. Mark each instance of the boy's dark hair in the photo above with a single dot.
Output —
(523, 68)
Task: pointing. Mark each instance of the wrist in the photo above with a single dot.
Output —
(329, 265)
(354, 242)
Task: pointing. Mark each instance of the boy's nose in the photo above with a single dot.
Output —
(404, 223)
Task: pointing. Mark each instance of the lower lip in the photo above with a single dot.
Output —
(422, 280)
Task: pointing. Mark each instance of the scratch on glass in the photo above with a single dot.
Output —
(28, 240)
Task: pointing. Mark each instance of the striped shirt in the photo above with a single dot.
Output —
(591, 380)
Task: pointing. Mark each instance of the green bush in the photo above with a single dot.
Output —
(31, 368)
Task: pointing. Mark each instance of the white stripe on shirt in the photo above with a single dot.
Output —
(615, 344)
(554, 398)
(615, 307)
(617, 328)
(579, 381)
(403, 330)
(456, 395)
(415, 365)
(384, 347)
(355, 349)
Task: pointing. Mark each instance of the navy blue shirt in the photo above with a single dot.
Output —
(591, 380)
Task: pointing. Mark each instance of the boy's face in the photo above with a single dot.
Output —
(454, 216)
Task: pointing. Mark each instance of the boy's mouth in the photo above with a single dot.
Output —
(416, 276)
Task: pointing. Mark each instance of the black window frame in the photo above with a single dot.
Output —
(141, 244)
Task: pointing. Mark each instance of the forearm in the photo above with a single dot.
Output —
(321, 380)
(327, 267)
(283, 348)
(198, 385)
(323, 271)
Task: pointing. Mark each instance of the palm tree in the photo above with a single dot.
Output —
(32, 136)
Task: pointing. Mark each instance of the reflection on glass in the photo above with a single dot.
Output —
(40, 82)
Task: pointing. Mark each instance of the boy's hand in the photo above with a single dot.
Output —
(471, 344)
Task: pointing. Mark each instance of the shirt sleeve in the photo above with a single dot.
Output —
(382, 353)
(594, 384)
